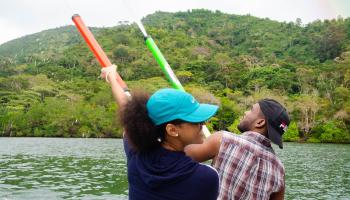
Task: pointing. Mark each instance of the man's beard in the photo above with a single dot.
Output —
(241, 127)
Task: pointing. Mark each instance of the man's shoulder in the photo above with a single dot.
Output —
(229, 135)
(278, 163)
(232, 140)
(229, 138)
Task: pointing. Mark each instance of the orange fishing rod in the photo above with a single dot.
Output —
(96, 48)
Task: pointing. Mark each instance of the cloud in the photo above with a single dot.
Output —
(22, 17)
(9, 31)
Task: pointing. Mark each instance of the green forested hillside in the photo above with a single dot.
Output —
(226, 59)
(43, 45)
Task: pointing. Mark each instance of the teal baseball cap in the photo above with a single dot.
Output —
(167, 105)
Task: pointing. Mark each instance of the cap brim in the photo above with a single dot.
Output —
(274, 136)
(201, 114)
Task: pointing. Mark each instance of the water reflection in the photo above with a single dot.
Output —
(50, 168)
(66, 168)
(316, 171)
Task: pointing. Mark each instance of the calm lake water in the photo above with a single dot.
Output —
(51, 168)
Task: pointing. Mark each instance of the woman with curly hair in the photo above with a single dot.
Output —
(157, 128)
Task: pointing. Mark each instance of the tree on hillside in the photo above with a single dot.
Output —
(329, 43)
(306, 107)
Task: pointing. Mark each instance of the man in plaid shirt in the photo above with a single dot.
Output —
(247, 165)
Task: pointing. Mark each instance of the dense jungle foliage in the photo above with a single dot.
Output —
(50, 85)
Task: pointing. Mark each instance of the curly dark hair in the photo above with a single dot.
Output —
(141, 132)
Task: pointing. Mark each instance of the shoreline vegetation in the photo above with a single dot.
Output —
(50, 85)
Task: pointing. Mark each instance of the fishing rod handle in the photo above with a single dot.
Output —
(96, 48)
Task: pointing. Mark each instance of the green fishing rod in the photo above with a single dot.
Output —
(174, 81)
(164, 65)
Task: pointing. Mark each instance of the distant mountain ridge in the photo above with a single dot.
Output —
(48, 42)
(234, 33)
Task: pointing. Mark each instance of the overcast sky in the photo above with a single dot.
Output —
(23, 17)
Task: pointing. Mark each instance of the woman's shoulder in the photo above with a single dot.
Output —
(205, 174)
(206, 179)
(207, 171)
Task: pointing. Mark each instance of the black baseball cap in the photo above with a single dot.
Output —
(277, 119)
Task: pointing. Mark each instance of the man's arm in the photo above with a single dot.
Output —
(207, 150)
(278, 195)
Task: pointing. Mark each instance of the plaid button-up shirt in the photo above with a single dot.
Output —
(248, 167)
